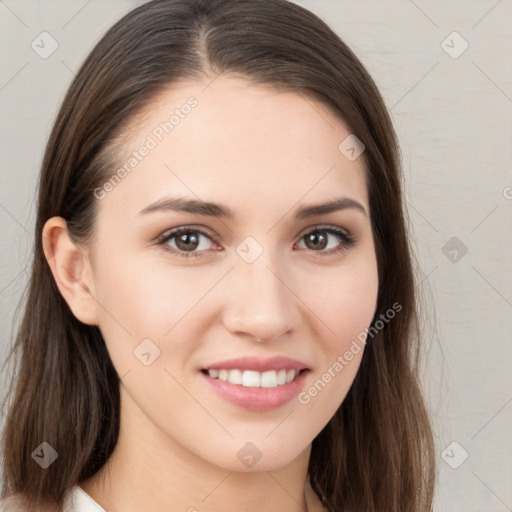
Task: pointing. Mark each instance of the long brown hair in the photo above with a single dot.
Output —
(377, 452)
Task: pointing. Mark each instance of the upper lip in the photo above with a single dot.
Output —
(259, 364)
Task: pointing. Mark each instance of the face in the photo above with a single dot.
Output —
(180, 292)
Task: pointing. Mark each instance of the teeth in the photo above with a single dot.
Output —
(250, 379)
(290, 376)
(235, 377)
(269, 379)
(253, 379)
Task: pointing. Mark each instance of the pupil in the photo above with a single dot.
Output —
(186, 240)
(315, 238)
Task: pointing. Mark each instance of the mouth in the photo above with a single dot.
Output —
(255, 379)
(256, 384)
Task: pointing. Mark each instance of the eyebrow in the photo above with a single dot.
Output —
(198, 207)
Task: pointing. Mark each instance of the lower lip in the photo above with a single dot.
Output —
(257, 399)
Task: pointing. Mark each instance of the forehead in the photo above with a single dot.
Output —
(235, 142)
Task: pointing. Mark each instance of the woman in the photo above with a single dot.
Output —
(221, 311)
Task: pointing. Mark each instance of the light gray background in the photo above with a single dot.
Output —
(453, 117)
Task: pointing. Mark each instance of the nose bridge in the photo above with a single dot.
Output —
(261, 304)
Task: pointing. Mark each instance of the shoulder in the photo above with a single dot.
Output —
(17, 503)
(12, 503)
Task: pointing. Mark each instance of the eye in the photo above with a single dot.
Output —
(187, 240)
(318, 239)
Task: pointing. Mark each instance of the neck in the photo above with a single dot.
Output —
(154, 472)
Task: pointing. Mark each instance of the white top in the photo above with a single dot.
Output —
(78, 500)
(75, 500)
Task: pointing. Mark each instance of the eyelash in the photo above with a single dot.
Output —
(347, 239)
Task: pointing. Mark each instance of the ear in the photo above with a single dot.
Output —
(71, 270)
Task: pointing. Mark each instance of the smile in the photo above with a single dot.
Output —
(257, 391)
(254, 379)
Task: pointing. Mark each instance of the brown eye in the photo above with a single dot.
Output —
(318, 239)
(187, 241)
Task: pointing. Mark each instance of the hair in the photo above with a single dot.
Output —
(377, 452)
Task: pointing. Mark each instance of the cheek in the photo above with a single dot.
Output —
(138, 301)
(345, 301)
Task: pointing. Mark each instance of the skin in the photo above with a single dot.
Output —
(263, 154)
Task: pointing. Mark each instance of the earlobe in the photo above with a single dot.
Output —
(71, 270)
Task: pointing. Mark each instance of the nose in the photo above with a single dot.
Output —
(261, 305)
